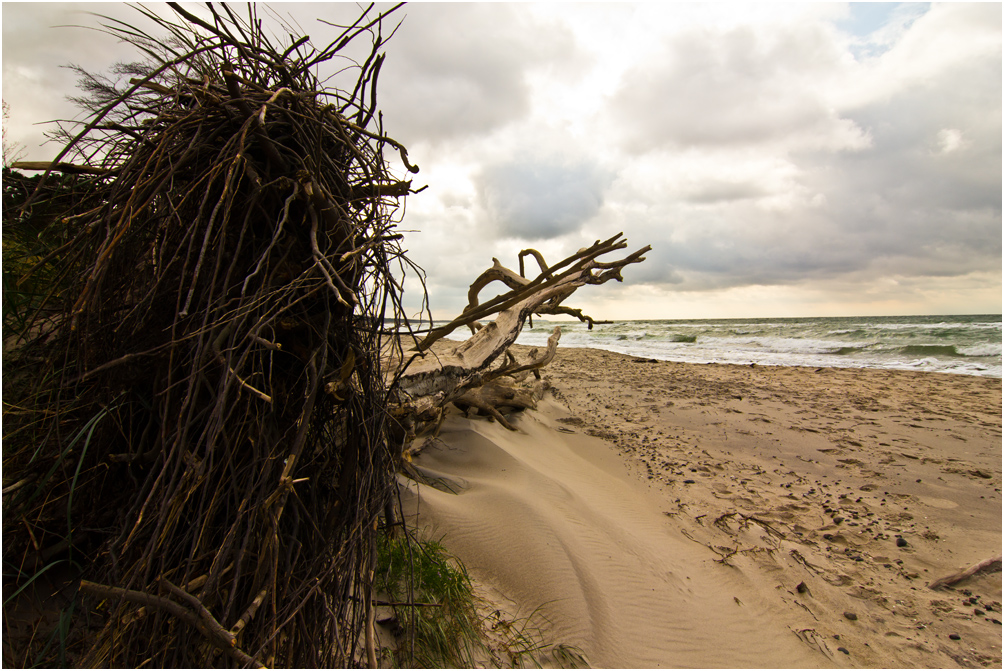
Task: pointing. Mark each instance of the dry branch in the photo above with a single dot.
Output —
(434, 379)
(581, 272)
(68, 168)
(200, 619)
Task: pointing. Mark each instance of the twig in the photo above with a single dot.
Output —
(370, 617)
(60, 167)
(10, 489)
(249, 613)
(205, 623)
(804, 562)
(992, 564)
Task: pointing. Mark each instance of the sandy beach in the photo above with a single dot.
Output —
(657, 514)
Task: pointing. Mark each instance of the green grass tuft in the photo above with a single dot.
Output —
(438, 615)
(445, 631)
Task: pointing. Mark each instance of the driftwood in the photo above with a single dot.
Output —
(429, 380)
(496, 397)
(992, 564)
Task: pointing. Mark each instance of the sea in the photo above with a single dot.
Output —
(963, 344)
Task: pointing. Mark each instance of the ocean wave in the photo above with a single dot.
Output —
(796, 346)
(935, 365)
(930, 350)
(844, 342)
(954, 326)
(985, 350)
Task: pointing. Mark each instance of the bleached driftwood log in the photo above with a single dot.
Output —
(430, 380)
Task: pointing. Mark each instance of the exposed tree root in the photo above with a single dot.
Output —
(193, 384)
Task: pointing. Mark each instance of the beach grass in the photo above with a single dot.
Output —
(441, 620)
(433, 601)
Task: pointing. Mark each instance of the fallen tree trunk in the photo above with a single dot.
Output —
(429, 380)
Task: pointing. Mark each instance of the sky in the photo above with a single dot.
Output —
(782, 160)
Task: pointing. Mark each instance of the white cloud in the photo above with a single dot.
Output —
(951, 139)
(947, 40)
(448, 80)
(745, 86)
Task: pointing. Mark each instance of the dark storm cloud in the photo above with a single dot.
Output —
(536, 200)
(903, 207)
(908, 165)
(757, 248)
(868, 237)
(866, 231)
(913, 201)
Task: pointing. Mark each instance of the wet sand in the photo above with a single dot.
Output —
(677, 515)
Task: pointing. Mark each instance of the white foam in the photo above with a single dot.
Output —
(813, 343)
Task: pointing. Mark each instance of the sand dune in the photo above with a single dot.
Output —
(550, 520)
(675, 515)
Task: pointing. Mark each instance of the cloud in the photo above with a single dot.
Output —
(952, 38)
(767, 166)
(37, 43)
(743, 86)
(951, 139)
(719, 190)
(540, 199)
(460, 70)
(772, 150)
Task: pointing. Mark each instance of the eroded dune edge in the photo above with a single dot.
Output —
(657, 514)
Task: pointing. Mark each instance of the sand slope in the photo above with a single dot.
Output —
(552, 520)
(675, 515)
